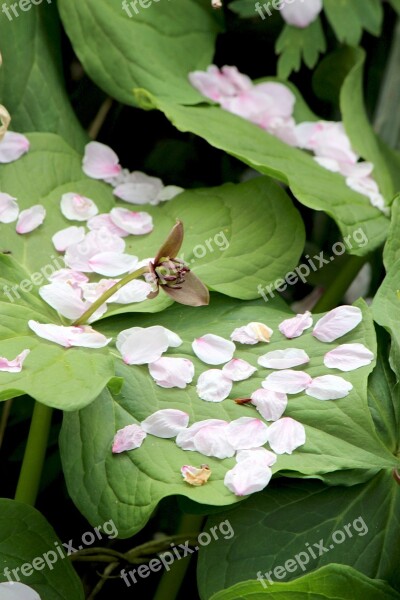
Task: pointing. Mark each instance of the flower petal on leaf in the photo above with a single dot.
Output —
(8, 208)
(66, 237)
(134, 223)
(284, 359)
(213, 349)
(12, 590)
(100, 161)
(286, 435)
(112, 264)
(301, 13)
(128, 438)
(13, 146)
(247, 477)
(287, 382)
(348, 357)
(238, 369)
(172, 372)
(329, 387)
(252, 333)
(337, 323)
(165, 423)
(261, 455)
(82, 336)
(213, 386)
(246, 433)
(185, 438)
(15, 365)
(65, 299)
(212, 441)
(294, 327)
(30, 219)
(142, 345)
(75, 207)
(270, 405)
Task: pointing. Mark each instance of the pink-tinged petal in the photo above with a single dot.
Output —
(134, 291)
(104, 222)
(185, 438)
(100, 162)
(286, 435)
(142, 345)
(74, 278)
(247, 477)
(30, 219)
(287, 382)
(15, 365)
(238, 369)
(92, 291)
(77, 256)
(65, 299)
(213, 386)
(83, 336)
(252, 333)
(75, 207)
(212, 441)
(348, 357)
(170, 372)
(259, 455)
(294, 327)
(112, 264)
(138, 193)
(213, 349)
(301, 13)
(327, 139)
(8, 208)
(10, 590)
(329, 387)
(165, 423)
(194, 475)
(66, 237)
(246, 433)
(135, 223)
(128, 438)
(270, 405)
(13, 146)
(337, 323)
(217, 84)
(284, 359)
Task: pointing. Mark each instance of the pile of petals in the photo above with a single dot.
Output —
(270, 106)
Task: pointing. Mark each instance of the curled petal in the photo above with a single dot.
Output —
(112, 264)
(184, 439)
(238, 369)
(134, 223)
(348, 357)
(83, 336)
(337, 323)
(286, 435)
(212, 441)
(196, 476)
(213, 386)
(12, 590)
(31, 219)
(294, 327)
(8, 208)
(284, 359)
(252, 333)
(100, 162)
(246, 433)
(128, 438)
(247, 477)
(77, 208)
(260, 455)
(213, 349)
(15, 365)
(165, 423)
(172, 372)
(66, 237)
(287, 382)
(13, 146)
(301, 13)
(329, 387)
(142, 345)
(270, 405)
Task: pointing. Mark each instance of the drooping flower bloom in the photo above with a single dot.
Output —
(8, 208)
(82, 336)
(301, 13)
(100, 161)
(30, 219)
(15, 365)
(128, 438)
(284, 359)
(252, 333)
(143, 345)
(286, 435)
(348, 357)
(75, 207)
(329, 387)
(213, 386)
(213, 349)
(165, 423)
(287, 381)
(169, 372)
(196, 476)
(337, 323)
(295, 327)
(238, 369)
(270, 405)
(13, 146)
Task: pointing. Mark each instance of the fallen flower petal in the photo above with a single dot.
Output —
(167, 193)
(65, 299)
(77, 256)
(8, 208)
(270, 405)
(139, 188)
(134, 223)
(213, 349)
(73, 278)
(184, 439)
(142, 345)
(348, 357)
(165, 423)
(170, 372)
(294, 327)
(12, 590)
(77, 208)
(284, 359)
(238, 369)
(286, 435)
(134, 291)
(246, 433)
(213, 386)
(83, 336)
(196, 476)
(287, 381)
(13, 366)
(66, 237)
(13, 146)
(260, 455)
(252, 333)
(247, 477)
(301, 13)
(212, 441)
(105, 223)
(100, 161)
(337, 323)
(329, 387)
(30, 219)
(128, 438)
(112, 264)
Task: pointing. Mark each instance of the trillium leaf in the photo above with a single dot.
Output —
(26, 537)
(342, 445)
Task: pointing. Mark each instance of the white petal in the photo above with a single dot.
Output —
(270, 405)
(15, 365)
(246, 432)
(83, 336)
(74, 278)
(167, 193)
(238, 369)
(165, 423)
(294, 327)
(13, 146)
(128, 438)
(66, 237)
(174, 340)
(301, 13)
(77, 208)
(105, 222)
(65, 299)
(135, 223)
(337, 323)
(17, 591)
(8, 208)
(134, 291)
(286, 435)
(112, 264)
(287, 382)
(252, 333)
(185, 437)
(284, 359)
(247, 477)
(348, 357)
(213, 349)
(170, 372)
(213, 386)
(329, 387)
(260, 455)
(30, 219)
(77, 256)
(212, 441)
(100, 162)
(142, 345)
(139, 188)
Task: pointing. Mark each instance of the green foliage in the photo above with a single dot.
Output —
(296, 45)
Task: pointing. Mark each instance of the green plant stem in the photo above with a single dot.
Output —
(171, 581)
(113, 290)
(4, 419)
(35, 452)
(340, 284)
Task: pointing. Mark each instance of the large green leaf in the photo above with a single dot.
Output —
(342, 445)
(329, 583)
(154, 47)
(25, 538)
(31, 83)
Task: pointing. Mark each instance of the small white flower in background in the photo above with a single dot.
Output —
(270, 405)
(213, 349)
(329, 387)
(17, 591)
(348, 357)
(287, 381)
(301, 13)
(13, 146)
(286, 435)
(172, 372)
(252, 334)
(337, 323)
(165, 423)
(100, 161)
(75, 207)
(82, 336)
(9, 209)
(15, 365)
(238, 369)
(284, 359)
(295, 327)
(128, 438)
(143, 345)
(30, 219)
(213, 386)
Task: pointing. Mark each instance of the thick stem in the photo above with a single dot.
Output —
(340, 284)
(113, 290)
(35, 452)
